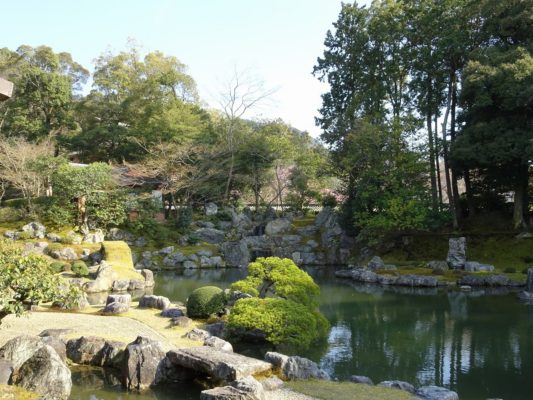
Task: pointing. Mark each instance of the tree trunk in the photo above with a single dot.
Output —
(82, 214)
(230, 177)
(469, 196)
(520, 195)
(432, 171)
(455, 188)
(437, 161)
(449, 191)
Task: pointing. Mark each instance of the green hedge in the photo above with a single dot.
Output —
(205, 301)
(282, 321)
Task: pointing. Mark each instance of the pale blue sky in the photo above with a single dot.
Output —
(279, 40)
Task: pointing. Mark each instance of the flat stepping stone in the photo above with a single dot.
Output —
(218, 364)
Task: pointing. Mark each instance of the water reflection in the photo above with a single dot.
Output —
(479, 343)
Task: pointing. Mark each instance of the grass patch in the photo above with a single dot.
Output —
(8, 392)
(328, 390)
(193, 249)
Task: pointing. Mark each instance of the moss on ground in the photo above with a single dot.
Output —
(195, 248)
(8, 392)
(328, 390)
(118, 255)
(501, 250)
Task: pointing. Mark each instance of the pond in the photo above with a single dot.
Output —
(478, 344)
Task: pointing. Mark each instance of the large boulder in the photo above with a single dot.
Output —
(220, 365)
(153, 301)
(529, 284)
(141, 364)
(474, 266)
(236, 254)
(46, 374)
(376, 263)
(251, 386)
(66, 253)
(277, 226)
(487, 280)
(417, 281)
(456, 252)
(436, 393)
(19, 349)
(210, 235)
(174, 260)
(86, 350)
(35, 248)
(35, 229)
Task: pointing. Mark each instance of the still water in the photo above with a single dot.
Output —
(478, 344)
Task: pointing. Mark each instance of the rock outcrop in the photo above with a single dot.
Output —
(141, 364)
(221, 365)
(456, 252)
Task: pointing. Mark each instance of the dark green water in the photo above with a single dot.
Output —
(478, 344)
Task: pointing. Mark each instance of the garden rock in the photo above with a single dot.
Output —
(57, 344)
(35, 248)
(188, 264)
(221, 365)
(66, 253)
(119, 298)
(406, 386)
(96, 237)
(436, 393)
(211, 209)
(417, 281)
(218, 344)
(225, 393)
(272, 383)
(375, 263)
(438, 265)
(361, 379)
(120, 285)
(182, 322)
(116, 308)
(277, 226)
(164, 251)
(173, 312)
(148, 277)
(205, 224)
(35, 229)
(487, 280)
(474, 266)
(236, 254)
(364, 275)
(6, 371)
(86, 350)
(278, 360)
(174, 259)
(152, 301)
(197, 334)
(216, 328)
(325, 218)
(141, 364)
(46, 374)
(19, 349)
(73, 238)
(302, 368)
(136, 284)
(250, 386)
(210, 235)
(456, 252)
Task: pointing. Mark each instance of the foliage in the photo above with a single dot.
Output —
(59, 215)
(107, 209)
(329, 200)
(184, 218)
(273, 276)
(25, 280)
(79, 268)
(9, 214)
(284, 305)
(283, 321)
(59, 266)
(205, 301)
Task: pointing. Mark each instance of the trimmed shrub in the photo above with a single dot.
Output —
(9, 214)
(80, 268)
(205, 301)
(58, 266)
(282, 321)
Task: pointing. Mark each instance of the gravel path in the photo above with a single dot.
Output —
(109, 327)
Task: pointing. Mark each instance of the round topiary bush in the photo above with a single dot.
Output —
(205, 301)
(80, 268)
